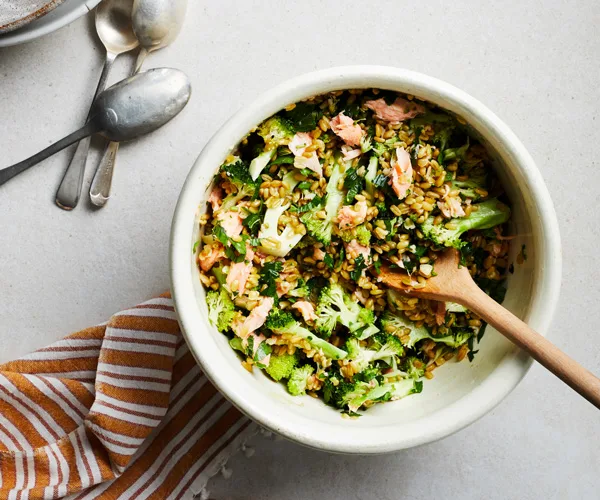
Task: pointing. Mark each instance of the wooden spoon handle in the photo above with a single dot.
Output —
(539, 348)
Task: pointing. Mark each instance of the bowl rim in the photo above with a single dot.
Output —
(459, 414)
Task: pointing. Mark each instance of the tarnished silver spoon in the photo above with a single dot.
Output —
(131, 108)
(113, 25)
(156, 23)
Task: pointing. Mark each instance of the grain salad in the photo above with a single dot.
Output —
(303, 213)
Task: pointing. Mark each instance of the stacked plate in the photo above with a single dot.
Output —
(24, 20)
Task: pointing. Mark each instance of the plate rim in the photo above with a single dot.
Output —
(39, 28)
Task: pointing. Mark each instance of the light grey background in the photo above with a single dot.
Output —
(535, 63)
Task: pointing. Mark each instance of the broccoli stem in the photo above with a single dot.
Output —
(328, 349)
(371, 174)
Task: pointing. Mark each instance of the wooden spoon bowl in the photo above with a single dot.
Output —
(453, 283)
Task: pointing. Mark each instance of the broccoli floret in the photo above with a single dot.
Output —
(371, 174)
(467, 188)
(397, 324)
(456, 153)
(275, 132)
(366, 143)
(271, 241)
(220, 309)
(379, 148)
(298, 378)
(281, 366)
(387, 345)
(359, 233)
(414, 367)
(363, 357)
(284, 323)
(321, 229)
(301, 291)
(239, 175)
(355, 394)
(352, 394)
(489, 214)
(336, 306)
(442, 138)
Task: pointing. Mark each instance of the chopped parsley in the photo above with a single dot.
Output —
(354, 184)
(359, 266)
(268, 274)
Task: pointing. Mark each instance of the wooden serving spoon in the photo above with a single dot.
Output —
(453, 283)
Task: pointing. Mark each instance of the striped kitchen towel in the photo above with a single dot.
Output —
(119, 411)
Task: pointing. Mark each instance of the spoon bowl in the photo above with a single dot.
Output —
(157, 23)
(141, 104)
(113, 25)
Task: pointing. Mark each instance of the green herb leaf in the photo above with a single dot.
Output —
(304, 117)
(481, 332)
(381, 180)
(238, 172)
(221, 235)
(283, 160)
(268, 274)
(359, 266)
(328, 259)
(307, 172)
(377, 266)
(313, 204)
(195, 247)
(263, 350)
(304, 185)
(409, 264)
(252, 222)
(471, 353)
(420, 250)
(354, 184)
(240, 246)
(341, 257)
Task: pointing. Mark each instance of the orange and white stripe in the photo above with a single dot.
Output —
(118, 411)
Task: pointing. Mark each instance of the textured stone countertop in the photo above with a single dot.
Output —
(536, 64)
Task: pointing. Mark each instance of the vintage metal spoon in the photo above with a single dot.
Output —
(113, 25)
(156, 23)
(454, 283)
(133, 107)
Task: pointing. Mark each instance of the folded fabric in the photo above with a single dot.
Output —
(119, 410)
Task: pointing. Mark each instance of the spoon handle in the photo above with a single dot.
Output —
(9, 172)
(101, 184)
(102, 181)
(538, 347)
(69, 190)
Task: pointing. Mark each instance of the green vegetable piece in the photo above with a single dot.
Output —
(298, 379)
(321, 229)
(220, 309)
(490, 213)
(282, 322)
(281, 366)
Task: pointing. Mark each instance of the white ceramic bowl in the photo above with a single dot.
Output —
(461, 392)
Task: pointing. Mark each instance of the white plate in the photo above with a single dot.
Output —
(57, 18)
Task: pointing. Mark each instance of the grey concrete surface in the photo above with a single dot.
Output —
(536, 64)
